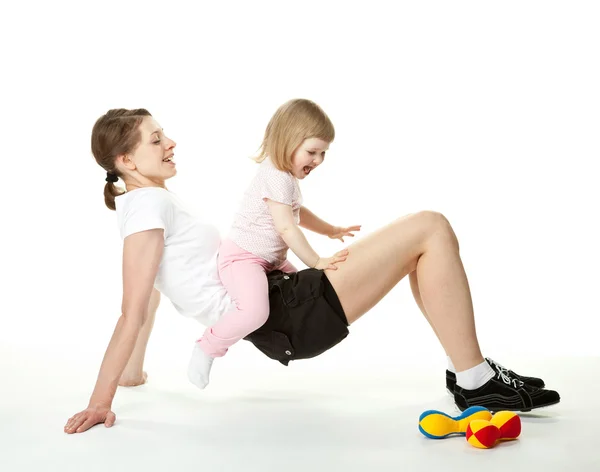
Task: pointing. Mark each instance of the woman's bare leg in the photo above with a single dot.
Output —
(423, 242)
(414, 287)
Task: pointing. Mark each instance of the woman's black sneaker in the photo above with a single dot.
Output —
(531, 381)
(505, 393)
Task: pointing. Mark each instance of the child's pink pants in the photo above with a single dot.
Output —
(244, 275)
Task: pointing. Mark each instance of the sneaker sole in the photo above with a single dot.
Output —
(546, 405)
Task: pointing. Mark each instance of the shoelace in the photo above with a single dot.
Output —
(505, 376)
(492, 361)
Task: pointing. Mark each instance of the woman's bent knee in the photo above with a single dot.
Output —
(432, 217)
(438, 225)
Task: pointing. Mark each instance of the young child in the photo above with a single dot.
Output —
(266, 225)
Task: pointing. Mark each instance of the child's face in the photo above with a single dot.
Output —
(310, 154)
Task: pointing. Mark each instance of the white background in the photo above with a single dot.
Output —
(487, 112)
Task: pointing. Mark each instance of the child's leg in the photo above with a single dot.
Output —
(246, 283)
(287, 267)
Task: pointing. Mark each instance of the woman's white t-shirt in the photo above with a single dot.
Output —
(187, 274)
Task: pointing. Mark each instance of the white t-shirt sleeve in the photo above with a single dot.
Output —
(278, 186)
(147, 210)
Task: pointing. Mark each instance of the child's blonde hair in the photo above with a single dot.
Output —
(292, 123)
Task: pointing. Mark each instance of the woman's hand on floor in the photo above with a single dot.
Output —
(89, 417)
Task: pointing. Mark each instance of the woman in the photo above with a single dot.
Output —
(310, 311)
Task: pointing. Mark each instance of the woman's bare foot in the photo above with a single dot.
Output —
(127, 380)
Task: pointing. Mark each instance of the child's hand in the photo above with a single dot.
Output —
(339, 232)
(325, 263)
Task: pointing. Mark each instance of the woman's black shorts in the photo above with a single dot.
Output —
(305, 318)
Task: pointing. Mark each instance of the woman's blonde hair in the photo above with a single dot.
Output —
(292, 123)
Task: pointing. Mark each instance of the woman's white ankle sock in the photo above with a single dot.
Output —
(475, 377)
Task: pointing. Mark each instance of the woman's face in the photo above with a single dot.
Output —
(154, 156)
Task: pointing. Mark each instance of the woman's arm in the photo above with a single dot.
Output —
(134, 374)
(142, 253)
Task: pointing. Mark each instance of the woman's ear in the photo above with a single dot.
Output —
(125, 161)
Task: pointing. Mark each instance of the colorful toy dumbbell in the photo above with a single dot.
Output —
(504, 426)
(438, 425)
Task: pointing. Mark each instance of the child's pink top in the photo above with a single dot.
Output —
(253, 228)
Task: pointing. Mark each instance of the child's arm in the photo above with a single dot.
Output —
(293, 236)
(312, 222)
(283, 218)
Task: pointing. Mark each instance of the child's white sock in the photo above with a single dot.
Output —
(475, 377)
(451, 365)
(199, 367)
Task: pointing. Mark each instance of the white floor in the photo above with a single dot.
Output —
(280, 419)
